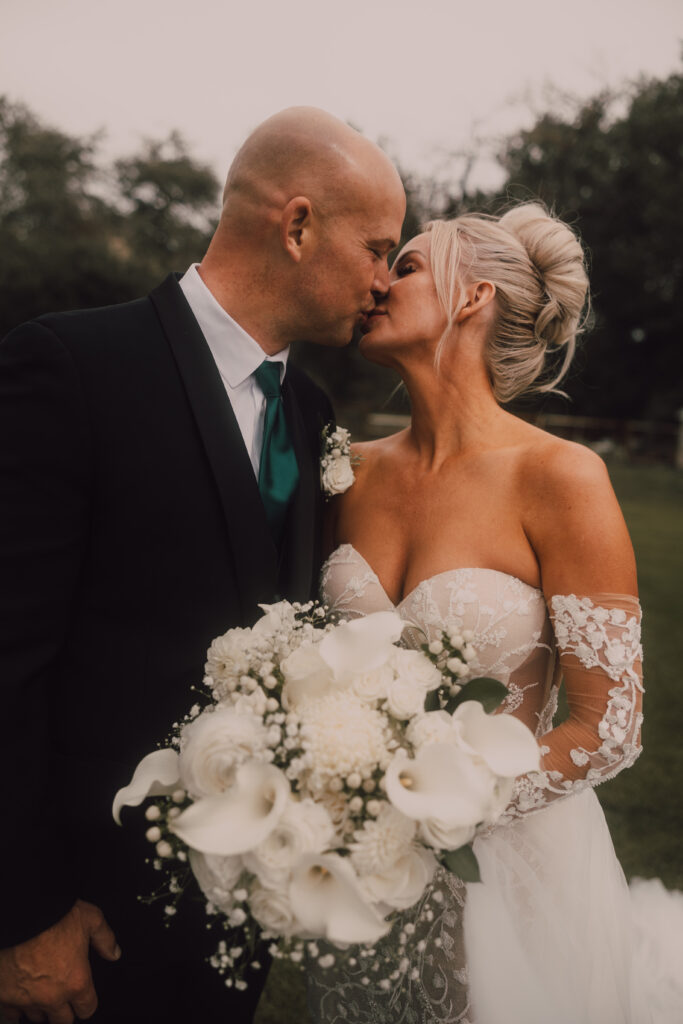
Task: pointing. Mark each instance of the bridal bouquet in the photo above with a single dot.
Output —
(330, 774)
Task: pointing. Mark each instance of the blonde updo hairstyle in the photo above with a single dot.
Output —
(537, 266)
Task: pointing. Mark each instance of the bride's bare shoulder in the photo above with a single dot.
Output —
(378, 452)
(572, 518)
(550, 464)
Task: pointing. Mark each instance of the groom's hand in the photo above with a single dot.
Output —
(48, 977)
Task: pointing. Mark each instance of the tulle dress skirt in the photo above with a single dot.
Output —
(555, 934)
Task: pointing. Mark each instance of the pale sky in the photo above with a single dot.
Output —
(425, 75)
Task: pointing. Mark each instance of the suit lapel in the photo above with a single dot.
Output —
(298, 549)
(254, 553)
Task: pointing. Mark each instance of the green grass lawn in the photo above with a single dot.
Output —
(643, 805)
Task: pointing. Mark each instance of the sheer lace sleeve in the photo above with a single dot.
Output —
(600, 657)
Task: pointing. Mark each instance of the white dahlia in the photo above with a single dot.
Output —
(380, 843)
(342, 734)
(227, 659)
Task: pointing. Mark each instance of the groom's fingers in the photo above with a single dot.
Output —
(101, 935)
(85, 1004)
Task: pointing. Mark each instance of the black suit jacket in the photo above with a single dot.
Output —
(131, 533)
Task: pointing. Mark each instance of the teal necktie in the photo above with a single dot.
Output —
(278, 471)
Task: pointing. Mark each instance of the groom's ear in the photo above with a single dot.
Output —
(295, 225)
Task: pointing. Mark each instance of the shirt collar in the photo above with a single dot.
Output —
(236, 353)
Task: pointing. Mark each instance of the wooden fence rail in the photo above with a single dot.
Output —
(658, 440)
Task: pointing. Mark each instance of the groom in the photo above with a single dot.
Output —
(158, 480)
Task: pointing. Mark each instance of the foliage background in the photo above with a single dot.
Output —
(76, 233)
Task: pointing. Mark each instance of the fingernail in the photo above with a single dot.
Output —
(117, 952)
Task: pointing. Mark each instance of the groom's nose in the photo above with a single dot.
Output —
(381, 284)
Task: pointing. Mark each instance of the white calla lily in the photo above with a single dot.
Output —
(506, 744)
(361, 645)
(328, 900)
(273, 618)
(307, 676)
(443, 782)
(238, 819)
(156, 775)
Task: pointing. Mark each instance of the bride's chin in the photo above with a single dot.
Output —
(377, 337)
(373, 350)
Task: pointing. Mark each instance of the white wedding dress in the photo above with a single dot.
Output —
(549, 937)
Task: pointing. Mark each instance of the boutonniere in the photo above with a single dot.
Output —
(336, 461)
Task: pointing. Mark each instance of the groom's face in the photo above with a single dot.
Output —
(350, 273)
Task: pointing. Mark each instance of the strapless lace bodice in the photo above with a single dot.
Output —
(508, 620)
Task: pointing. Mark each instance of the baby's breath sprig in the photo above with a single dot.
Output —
(454, 656)
(314, 613)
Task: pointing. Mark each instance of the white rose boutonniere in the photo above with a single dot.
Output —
(336, 462)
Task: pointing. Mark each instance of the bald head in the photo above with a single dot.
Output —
(306, 151)
(311, 211)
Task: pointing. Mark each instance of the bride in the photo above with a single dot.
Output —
(473, 520)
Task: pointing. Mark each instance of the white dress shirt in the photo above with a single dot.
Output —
(237, 355)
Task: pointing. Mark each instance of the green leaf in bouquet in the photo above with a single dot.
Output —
(432, 700)
(489, 692)
(463, 863)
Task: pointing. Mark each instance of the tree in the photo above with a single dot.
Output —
(54, 248)
(613, 170)
(73, 234)
(169, 204)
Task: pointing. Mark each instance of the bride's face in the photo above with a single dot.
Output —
(410, 320)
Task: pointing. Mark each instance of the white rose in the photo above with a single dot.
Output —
(338, 475)
(213, 745)
(430, 727)
(416, 666)
(305, 827)
(402, 884)
(272, 908)
(217, 877)
(372, 686)
(405, 697)
(443, 835)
